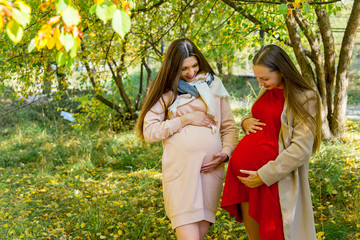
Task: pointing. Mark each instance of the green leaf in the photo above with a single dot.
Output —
(74, 49)
(31, 45)
(106, 10)
(69, 42)
(250, 57)
(20, 17)
(70, 16)
(330, 188)
(283, 8)
(307, 7)
(61, 5)
(60, 58)
(70, 63)
(2, 87)
(14, 31)
(93, 9)
(121, 22)
(24, 9)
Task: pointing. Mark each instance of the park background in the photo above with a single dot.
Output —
(89, 176)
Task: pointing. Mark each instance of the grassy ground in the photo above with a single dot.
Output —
(57, 182)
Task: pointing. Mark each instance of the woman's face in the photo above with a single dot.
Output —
(267, 78)
(189, 69)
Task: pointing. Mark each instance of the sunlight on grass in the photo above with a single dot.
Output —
(57, 182)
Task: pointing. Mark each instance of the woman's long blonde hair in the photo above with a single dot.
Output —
(169, 74)
(277, 59)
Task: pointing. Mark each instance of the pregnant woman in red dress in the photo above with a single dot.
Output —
(266, 184)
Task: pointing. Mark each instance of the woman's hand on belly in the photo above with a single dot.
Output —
(197, 119)
(250, 125)
(218, 159)
(252, 180)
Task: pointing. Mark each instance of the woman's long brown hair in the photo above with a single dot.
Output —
(169, 74)
(277, 59)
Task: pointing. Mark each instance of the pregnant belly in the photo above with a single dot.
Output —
(196, 139)
(252, 152)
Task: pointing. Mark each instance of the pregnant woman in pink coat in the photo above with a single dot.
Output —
(187, 108)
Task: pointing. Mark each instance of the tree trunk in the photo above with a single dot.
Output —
(219, 66)
(329, 53)
(342, 80)
(61, 80)
(137, 100)
(148, 70)
(320, 72)
(47, 79)
(96, 87)
(119, 80)
(299, 50)
(323, 78)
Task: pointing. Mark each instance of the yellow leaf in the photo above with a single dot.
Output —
(58, 44)
(57, 33)
(82, 225)
(43, 42)
(5, 3)
(320, 234)
(99, 2)
(6, 225)
(78, 42)
(1, 25)
(51, 43)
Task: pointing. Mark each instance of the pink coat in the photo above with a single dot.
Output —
(190, 196)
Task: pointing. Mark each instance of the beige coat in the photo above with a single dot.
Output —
(188, 195)
(290, 170)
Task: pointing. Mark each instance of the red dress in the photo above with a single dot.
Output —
(251, 153)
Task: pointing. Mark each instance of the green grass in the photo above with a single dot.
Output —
(60, 182)
(245, 89)
(354, 89)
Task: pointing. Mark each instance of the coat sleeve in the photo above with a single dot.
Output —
(297, 154)
(156, 127)
(228, 128)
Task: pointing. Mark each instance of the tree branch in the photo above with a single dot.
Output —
(144, 9)
(316, 54)
(279, 3)
(162, 35)
(109, 46)
(207, 17)
(250, 17)
(95, 86)
(329, 52)
(119, 78)
(299, 50)
(137, 100)
(342, 80)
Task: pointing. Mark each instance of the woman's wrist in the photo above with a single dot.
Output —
(184, 120)
(227, 158)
